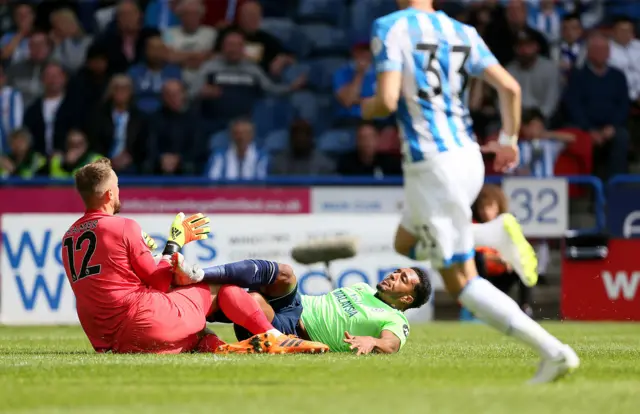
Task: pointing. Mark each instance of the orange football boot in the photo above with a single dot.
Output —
(270, 344)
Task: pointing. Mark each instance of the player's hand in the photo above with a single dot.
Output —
(148, 240)
(185, 230)
(507, 156)
(361, 344)
(183, 273)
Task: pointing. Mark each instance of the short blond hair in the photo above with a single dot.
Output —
(91, 179)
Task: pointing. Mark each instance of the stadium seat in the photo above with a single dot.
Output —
(326, 112)
(278, 8)
(325, 40)
(321, 72)
(219, 141)
(337, 141)
(333, 12)
(288, 33)
(270, 114)
(292, 72)
(276, 141)
(305, 106)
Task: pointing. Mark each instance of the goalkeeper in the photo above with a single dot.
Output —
(358, 318)
(122, 296)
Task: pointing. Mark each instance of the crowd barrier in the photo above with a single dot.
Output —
(249, 219)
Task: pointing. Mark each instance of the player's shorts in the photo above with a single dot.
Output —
(166, 323)
(287, 310)
(438, 194)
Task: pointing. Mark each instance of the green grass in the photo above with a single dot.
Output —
(445, 368)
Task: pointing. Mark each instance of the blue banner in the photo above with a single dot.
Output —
(623, 211)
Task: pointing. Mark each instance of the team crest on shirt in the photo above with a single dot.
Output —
(376, 46)
(405, 330)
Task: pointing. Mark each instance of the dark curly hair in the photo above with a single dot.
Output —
(422, 291)
(490, 193)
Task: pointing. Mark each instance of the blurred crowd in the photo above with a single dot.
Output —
(246, 89)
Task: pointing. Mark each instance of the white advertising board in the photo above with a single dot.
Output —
(540, 205)
(34, 289)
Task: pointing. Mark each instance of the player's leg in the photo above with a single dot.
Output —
(250, 274)
(283, 313)
(503, 234)
(439, 201)
(171, 322)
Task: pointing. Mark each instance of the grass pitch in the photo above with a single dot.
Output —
(445, 368)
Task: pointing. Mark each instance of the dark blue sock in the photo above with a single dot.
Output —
(246, 274)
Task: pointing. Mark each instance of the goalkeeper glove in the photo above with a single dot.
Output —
(148, 240)
(185, 230)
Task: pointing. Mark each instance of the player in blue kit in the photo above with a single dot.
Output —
(423, 61)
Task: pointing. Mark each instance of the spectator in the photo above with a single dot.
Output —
(502, 40)
(570, 52)
(161, 14)
(490, 203)
(232, 84)
(15, 45)
(625, 55)
(366, 160)
(224, 14)
(539, 148)
(125, 46)
(260, 47)
(118, 130)
(90, 83)
(11, 112)
(596, 101)
(242, 160)
(352, 83)
(191, 44)
(22, 161)
(76, 155)
(538, 76)
(51, 117)
(70, 41)
(26, 75)
(546, 17)
(301, 158)
(148, 77)
(176, 133)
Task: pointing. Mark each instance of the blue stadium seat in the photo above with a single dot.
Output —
(305, 106)
(325, 40)
(326, 110)
(288, 33)
(321, 72)
(333, 12)
(276, 141)
(219, 141)
(337, 141)
(292, 72)
(270, 114)
(362, 13)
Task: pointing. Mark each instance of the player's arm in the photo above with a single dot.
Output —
(510, 98)
(158, 276)
(387, 343)
(386, 48)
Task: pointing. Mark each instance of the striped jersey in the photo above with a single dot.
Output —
(436, 55)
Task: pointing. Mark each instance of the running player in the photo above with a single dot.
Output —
(123, 297)
(358, 318)
(424, 59)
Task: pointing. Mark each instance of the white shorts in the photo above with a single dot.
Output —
(438, 195)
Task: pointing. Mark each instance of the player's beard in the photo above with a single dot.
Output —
(116, 207)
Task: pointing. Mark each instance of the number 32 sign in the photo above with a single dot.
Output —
(541, 205)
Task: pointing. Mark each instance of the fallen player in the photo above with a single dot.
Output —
(358, 318)
(124, 299)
